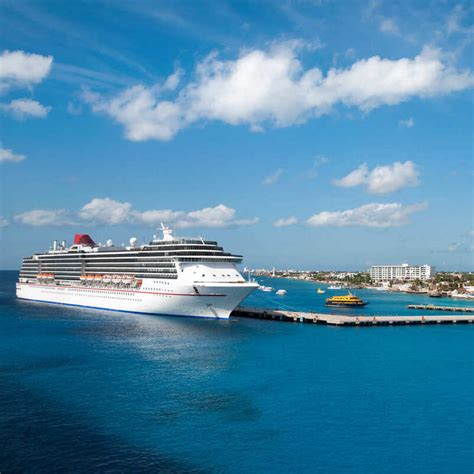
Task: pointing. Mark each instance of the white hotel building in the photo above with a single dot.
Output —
(401, 272)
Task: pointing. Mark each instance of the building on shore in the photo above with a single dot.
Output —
(401, 272)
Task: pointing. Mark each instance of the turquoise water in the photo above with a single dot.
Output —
(87, 390)
(302, 296)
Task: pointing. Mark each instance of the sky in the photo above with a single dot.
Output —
(301, 134)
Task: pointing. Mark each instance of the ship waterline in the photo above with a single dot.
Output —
(174, 276)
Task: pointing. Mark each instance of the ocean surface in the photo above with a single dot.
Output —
(86, 390)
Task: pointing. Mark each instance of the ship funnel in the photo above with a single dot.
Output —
(55, 245)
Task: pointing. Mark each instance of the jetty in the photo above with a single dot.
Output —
(432, 307)
(344, 320)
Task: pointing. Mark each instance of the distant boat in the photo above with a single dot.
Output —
(281, 292)
(320, 291)
(267, 288)
(334, 287)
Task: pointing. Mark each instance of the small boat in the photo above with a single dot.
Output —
(320, 291)
(281, 292)
(334, 287)
(345, 300)
(267, 289)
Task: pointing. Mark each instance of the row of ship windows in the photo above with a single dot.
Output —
(95, 257)
(93, 271)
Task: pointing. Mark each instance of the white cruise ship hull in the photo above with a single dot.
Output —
(209, 300)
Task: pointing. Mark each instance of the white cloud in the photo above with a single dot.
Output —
(408, 123)
(218, 216)
(354, 178)
(110, 212)
(4, 222)
(271, 87)
(41, 217)
(7, 155)
(20, 69)
(389, 26)
(370, 215)
(273, 177)
(285, 222)
(139, 110)
(382, 179)
(25, 108)
(154, 217)
(105, 211)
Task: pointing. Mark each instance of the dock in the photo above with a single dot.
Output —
(432, 307)
(344, 320)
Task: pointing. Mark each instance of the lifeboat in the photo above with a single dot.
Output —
(116, 279)
(89, 279)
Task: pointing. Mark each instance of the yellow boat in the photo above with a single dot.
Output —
(345, 300)
(320, 291)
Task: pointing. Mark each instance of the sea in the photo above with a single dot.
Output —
(85, 390)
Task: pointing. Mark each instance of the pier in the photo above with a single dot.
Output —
(431, 307)
(343, 320)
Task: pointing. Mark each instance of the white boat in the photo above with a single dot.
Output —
(267, 289)
(334, 287)
(281, 292)
(172, 275)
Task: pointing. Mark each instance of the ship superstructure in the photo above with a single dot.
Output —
(177, 276)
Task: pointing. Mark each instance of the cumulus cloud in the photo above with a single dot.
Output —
(42, 217)
(354, 178)
(26, 108)
(408, 123)
(111, 212)
(370, 215)
(382, 179)
(272, 88)
(4, 222)
(273, 177)
(285, 222)
(105, 211)
(20, 69)
(7, 155)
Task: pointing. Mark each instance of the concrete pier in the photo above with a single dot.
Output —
(432, 307)
(344, 320)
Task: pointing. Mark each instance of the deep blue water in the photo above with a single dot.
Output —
(87, 390)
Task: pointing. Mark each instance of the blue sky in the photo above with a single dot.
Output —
(302, 134)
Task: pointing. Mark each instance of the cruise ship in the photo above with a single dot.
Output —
(170, 276)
